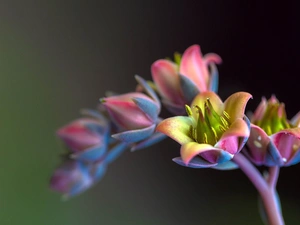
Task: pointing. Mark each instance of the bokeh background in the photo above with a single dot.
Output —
(57, 57)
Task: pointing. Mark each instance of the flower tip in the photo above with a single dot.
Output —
(138, 78)
(273, 99)
(194, 47)
(102, 100)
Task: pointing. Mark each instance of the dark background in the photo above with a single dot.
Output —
(57, 57)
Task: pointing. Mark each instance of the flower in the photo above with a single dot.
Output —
(274, 140)
(178, 83)
(212, 133)
(73, 177)
(135, 114)
(86, 138)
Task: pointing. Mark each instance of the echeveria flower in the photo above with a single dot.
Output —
(136, 114)
(212, 133)
(274, 140)
(178, 83)
(73, 177)
(86, 138)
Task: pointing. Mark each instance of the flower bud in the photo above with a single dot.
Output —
(179, 82)
(135, 114)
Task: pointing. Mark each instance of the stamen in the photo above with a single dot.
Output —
(192, 132)
(222, 128)
(205, 139)
(224, 121)
(227, 117)
(201, 116)
(188, 110)
(215, 134)
(195, 135)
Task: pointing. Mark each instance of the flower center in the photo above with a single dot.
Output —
(209, 125)
(274, 119)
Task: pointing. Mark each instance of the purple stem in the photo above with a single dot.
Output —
(266, 190)
(273, 176)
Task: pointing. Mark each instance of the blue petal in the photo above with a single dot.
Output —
(189, 89)
(94, 127)
(214, 78)
(82, 183)
(273, 157)
(99, 171)
(229, 165)
(224, 157)
(246, 119)
(295, 159)
(115, 152)
(135, 135)
(147, 88)
(148, 107)
(92, 154)
(155, 138)
(243, 140)
(196, 163)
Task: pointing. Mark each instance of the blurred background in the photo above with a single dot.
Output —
(57, 57)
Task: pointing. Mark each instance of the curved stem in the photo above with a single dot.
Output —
(266, 191)
(251, 172)
(273, 176)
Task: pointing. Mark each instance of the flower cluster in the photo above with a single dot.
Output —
(87, 140)
(211, 132)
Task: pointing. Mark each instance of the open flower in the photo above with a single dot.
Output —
(86, 138)
(135, 114)
(212, 133)
(178, 83)
(274, 140)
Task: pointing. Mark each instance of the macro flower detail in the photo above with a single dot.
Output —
(135, 114)
(274, 140)
(86, 138)
(212, 133)
(73, 177)
(179, 82)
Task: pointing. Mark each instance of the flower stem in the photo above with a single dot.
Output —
(265, 189)
(273, 176)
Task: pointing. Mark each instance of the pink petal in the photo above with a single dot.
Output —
(260, 110)
(189, 150)
(257, 143)
(193, 66)
(230, 139)
(77, 136)
(212, 58)
(177, 128)
(235, 105)
(165, 76)
(126, 113)
(287, 141)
